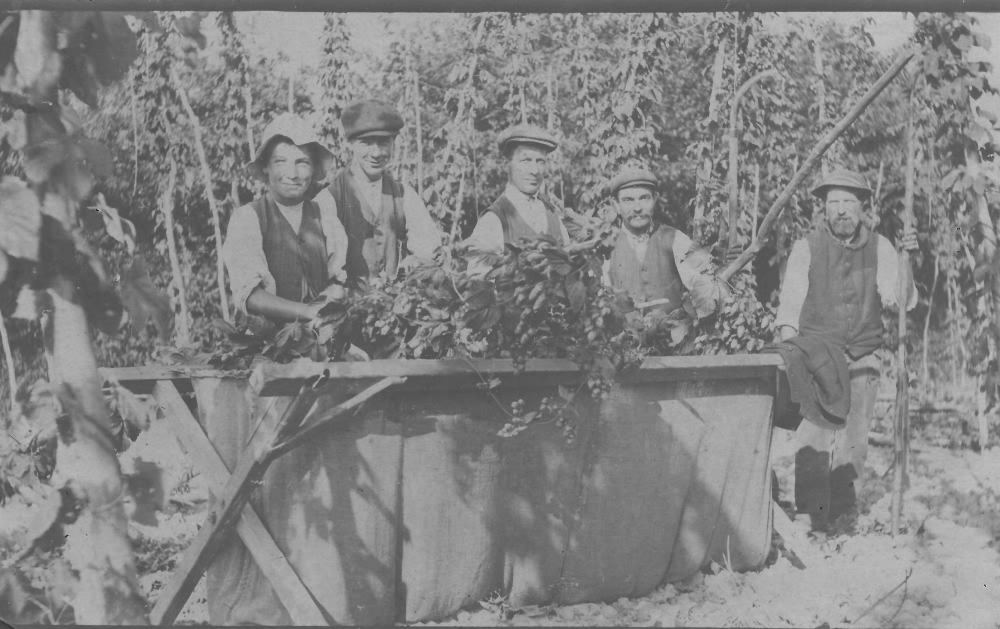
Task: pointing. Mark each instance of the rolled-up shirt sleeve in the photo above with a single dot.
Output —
(688, 266)
(887, 279)
(334, 234)
(422, 234)
(487, 234)
(794, 287)
(243, 254)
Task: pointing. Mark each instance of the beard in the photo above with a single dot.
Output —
(844, 227)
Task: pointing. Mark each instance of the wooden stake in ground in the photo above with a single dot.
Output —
(11, 377)
(177, 281)
(418, 128)
(734, 152)
(704, 173)
(901, 434)
(206, 175)
(772, 214)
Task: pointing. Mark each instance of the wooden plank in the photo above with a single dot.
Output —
(142, 379)
(425, 374)
(274, 379)
(421, 374)
(250, 468)
(698, 368)
(274, 565)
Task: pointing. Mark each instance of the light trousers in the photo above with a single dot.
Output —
(829, 464)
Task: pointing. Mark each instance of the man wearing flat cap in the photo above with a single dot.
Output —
(520, 213)
(650, 261)
(283, 250)
(839, 279)
(384, 219)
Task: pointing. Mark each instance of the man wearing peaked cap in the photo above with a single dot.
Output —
(650, 261)
(520, 212)
(283, 249)
(840, 278)
(385, 219)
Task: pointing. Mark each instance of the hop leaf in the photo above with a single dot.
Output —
(21, 216)
(118, 228)
(142, 300)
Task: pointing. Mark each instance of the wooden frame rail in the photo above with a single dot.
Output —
(274, 379)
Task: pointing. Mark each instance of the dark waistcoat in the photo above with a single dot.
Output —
(296, 261)
(655, 276)
(376, 237)
(515, 228)
(843, 304)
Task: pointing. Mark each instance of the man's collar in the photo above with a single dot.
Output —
(635, 238)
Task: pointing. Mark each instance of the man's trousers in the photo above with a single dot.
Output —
(829, 464)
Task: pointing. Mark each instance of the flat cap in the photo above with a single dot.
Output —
(631, 177)
(526, 134)
(298, 132)
(843, 178)
(370, 118)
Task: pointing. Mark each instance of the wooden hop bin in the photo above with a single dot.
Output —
(423, 510)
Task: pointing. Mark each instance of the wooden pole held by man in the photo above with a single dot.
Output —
(772, 214)
(901, 433)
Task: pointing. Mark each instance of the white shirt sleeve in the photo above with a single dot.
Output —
(333, 232)
(887, 278)
(243, 254)
(687, 268)
(422, 234)
(488, 234)
(562, 227)
(794, 287)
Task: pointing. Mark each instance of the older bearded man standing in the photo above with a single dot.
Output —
(839, 279)
(385, 219)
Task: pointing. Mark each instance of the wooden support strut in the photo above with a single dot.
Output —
(250, 469)
(310, 432)
(286, 583)
(269, 441)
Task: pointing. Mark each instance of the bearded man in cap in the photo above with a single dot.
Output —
(385, 220)
(840, 278)
(650, 261)
(520, 213)
(283, 250)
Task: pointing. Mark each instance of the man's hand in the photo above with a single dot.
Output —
(909, 241)
(355, 354)
(786, 332)
(333, 291)
(312, 310)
